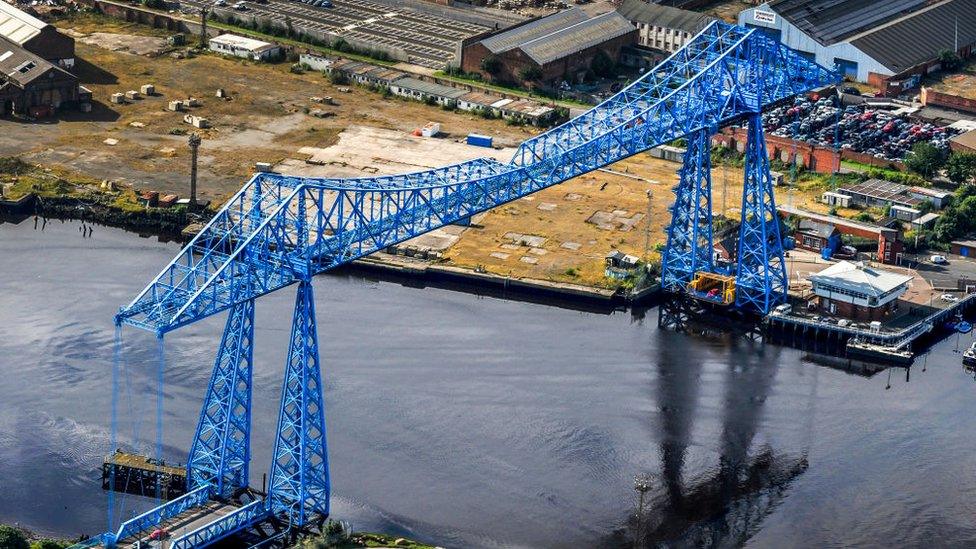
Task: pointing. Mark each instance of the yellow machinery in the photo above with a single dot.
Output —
(713, 287)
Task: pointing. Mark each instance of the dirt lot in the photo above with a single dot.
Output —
(264, 120)
(728, 10)
(562, 233)
(961, 83)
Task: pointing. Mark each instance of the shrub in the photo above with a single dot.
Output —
(12, 538)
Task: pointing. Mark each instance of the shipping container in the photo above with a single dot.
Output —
(479, 140)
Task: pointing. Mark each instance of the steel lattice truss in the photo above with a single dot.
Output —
(221, 449)
(299, 485)
(760, 273)
(279, 229)
(689, 247)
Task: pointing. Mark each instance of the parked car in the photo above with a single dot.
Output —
(240, 6)
(851, 90)
(939, 259)
(220, 3)
(949, 298)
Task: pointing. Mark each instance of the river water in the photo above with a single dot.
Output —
(478, 422)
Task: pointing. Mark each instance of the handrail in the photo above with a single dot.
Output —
(892, 337)
(154, 517)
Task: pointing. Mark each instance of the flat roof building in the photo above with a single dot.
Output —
(36, 36)
(888, 44)
(248, 48)
(859, 292)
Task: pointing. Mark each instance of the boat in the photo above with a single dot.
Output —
(879, 353)
(969, 356)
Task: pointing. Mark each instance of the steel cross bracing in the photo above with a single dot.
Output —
(221, 450)
(761, 270)
(299, 486)
(689, 246)
(278, 230)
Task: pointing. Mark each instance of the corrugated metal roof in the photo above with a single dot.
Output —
(833, 21)
(512, 38)
(576, 38)
(664, 16)
(17, 26)
(919, 37)
(429, 88)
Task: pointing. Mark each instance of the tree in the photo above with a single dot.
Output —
(961, 168)
(12, 538)
(530, 73)
(603, 66)
(949, 60)
(925, 159)
(491, 64)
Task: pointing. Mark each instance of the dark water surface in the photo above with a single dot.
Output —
(479, 422)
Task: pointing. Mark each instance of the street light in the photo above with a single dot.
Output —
(642, 484)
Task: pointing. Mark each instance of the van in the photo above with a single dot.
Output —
(783, 309)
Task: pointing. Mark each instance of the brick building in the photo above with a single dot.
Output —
(561, 46)
(32, 86)
(36, 36)
(660, 27)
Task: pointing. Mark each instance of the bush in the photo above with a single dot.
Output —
(11, 165)
(12, 538)
(338, 78)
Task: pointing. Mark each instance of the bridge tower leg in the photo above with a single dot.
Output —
(761, 281)
(299, 484)
(689, 247)
(221, 449)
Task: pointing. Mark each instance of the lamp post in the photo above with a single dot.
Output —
(642, 484)
(194, 147)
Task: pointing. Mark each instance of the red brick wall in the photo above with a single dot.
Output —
(870, 160)
(938, 99)
(813, 158)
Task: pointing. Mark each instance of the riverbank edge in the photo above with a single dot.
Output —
(165, 224)
(173, 225)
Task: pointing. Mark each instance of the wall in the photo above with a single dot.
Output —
(813, 158)
(938, 99)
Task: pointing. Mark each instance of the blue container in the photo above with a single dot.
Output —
(479, 140)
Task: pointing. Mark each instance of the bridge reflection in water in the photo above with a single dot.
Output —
(726, 504)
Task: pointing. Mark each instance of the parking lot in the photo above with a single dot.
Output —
(429, 40)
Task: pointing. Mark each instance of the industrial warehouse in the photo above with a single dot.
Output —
(35, 60)
(868, 41)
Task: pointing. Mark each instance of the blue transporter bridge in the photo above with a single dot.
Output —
(279, 231)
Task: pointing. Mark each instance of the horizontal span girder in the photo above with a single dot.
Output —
(278, 229)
